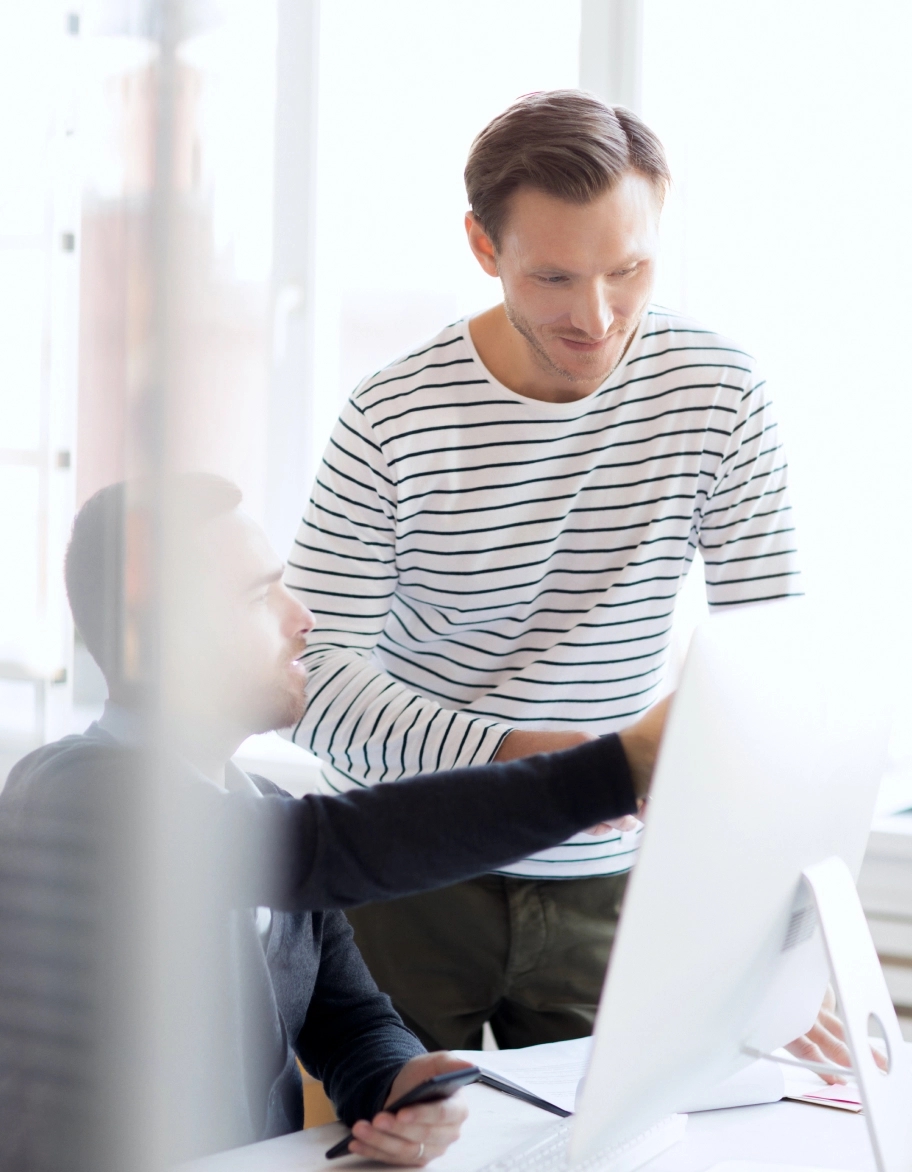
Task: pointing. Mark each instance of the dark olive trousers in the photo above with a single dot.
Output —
(526, 955)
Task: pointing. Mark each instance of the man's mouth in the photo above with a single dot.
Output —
(585, 345)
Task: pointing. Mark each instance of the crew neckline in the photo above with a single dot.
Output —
(125, 727)
(558, 410)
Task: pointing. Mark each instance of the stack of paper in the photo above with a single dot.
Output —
(806, 1087)
(554, 1071)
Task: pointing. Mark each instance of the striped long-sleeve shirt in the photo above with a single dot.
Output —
(478, 560)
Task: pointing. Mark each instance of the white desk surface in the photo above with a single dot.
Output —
(780, 1133)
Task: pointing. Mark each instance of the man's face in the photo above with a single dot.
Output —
(577, 278)
(251, 629)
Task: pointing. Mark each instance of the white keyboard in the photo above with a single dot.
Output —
(551, 1153)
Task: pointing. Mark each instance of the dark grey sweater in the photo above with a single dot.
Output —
(303, 992)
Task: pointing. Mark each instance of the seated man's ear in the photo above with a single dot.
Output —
(138, 578)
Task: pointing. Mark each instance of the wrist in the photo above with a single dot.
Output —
(520, 742)
(640, 743)
(640, 756)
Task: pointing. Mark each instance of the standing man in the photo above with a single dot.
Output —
(496, 539)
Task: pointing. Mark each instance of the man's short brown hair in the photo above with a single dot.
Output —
(565, 143)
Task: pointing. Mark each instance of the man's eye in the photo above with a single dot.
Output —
(552, 280)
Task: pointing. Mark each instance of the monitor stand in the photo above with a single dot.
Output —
(862, 994)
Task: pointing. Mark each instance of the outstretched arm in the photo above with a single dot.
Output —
(430, 831)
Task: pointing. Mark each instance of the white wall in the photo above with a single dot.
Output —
(787, 129)
(404, 88)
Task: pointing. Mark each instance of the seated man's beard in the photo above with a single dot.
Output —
(284, 706)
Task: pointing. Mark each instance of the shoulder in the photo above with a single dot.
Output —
(672, 339)
(63, 786)
(444, 360)
(68, 759)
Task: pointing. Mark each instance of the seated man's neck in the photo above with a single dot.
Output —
(206, 745)
(201, 741)
(210, 760)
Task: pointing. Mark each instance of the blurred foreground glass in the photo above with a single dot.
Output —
(38, 289)
(114, 998)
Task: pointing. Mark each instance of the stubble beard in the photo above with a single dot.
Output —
(294, 704)
(295, 707)
(281, 704)
(544, 360)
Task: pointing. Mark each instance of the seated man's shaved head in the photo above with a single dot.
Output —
(229, 660)
(96, 569)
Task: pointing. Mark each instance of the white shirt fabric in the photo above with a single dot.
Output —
(479, 561)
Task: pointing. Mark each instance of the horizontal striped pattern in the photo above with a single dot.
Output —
(479, 560)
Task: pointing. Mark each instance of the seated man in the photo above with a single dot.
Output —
(290, 981)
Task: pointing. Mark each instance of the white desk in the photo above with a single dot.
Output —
(782, 1133)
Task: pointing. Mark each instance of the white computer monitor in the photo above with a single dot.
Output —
(770, 763)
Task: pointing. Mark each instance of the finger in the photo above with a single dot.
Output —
(419, 1127)
(829, 1035)
(404, 1149)
(832, 1023)
(381, 1155)
(443, 1113)
(393, 1150)
(628, 822)
(807, 1051)
(833, 1048)
(415, 1133)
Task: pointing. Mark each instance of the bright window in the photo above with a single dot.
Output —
(787, 129)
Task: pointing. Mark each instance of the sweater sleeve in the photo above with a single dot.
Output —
(389, 841)
(353, 1040)
(366, 724)
(747, 534)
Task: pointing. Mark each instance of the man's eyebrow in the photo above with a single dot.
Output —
(266, 579)
(627, 262)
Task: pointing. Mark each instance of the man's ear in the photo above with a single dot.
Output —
(481, 245)
(138, 585)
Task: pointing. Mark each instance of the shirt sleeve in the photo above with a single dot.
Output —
(367, 724)
(382, 842)
(747, 534)
(353, 1040)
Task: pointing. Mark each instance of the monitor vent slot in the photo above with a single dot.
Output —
(802, 923)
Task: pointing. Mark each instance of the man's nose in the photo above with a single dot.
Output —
(300, 619)
(592, 312)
